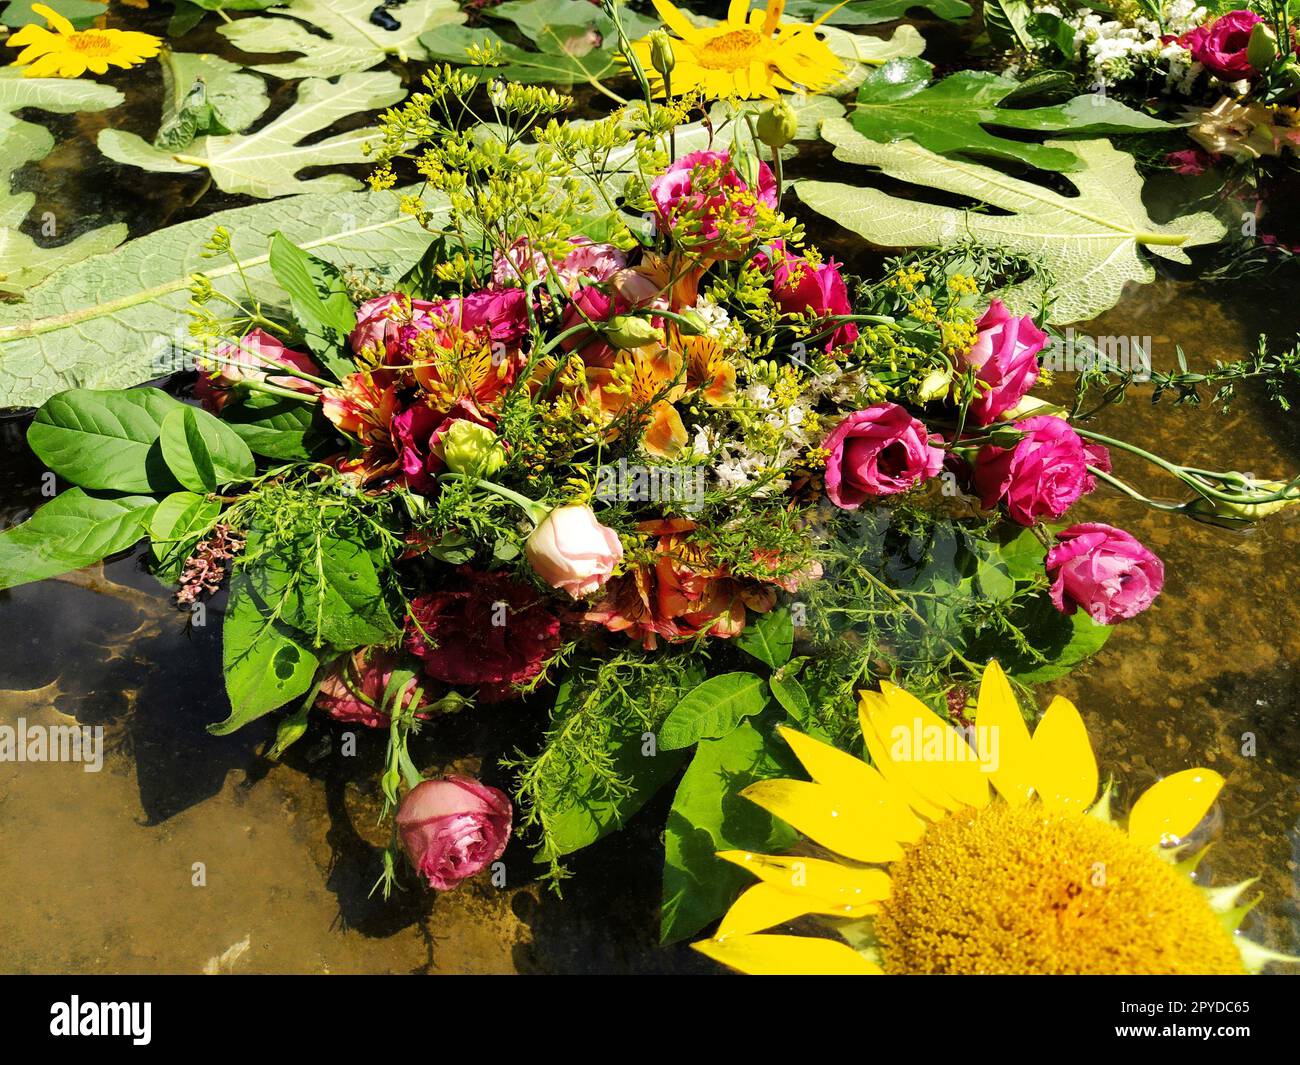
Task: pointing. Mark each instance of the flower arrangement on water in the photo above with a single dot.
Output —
(621, 445)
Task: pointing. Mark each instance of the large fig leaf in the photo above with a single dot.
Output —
(867, 12)
(266, 163)
(896, 102)
(1091, 243)
(342, 39)
(23, 262)
(119, 319)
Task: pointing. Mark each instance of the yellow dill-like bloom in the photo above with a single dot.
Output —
(928, 871)
(69, 53)
(751, 54)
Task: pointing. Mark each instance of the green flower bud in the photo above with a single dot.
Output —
(473, 449)
(777, 125)
(627, 331)
(935, 385)
(1233, 515)
(1262, 47)
(691, 323)
(661, 53)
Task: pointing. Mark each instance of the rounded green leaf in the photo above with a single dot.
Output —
(202, 451)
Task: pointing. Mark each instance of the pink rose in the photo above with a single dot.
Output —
(521, 263)
(453, 828)
(876, 452)
(417, 434)
(572, 551)
(354, 688)
(1005, 360)
(500, 313)
(799, 287)
(1104, 570)
(1043, 474)
(386, 326)
(698, 190)
(249, 360)
(1221, 46)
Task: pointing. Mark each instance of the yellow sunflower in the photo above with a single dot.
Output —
(751, 54)
(926, 871)
(69, 53)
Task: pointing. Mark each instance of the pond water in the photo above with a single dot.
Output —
(99, 870)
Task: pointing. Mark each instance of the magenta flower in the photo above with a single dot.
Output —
(1104, 570)
(877, 452)
(799, 288)
(387, 325)
(1005, 360)
(701, 192)
(354, 688)
(453, 828)
(1221, 46)
(1043, 475)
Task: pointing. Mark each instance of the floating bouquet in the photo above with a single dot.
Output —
(624, 447)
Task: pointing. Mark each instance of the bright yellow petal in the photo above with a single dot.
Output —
(45, 67)
(855, 783)
(762, 907)
(72, 65)
(676, 21)
(1001, 728)
(821, 816)
(788, 956)
(1064, 767)
(896, 778)
(57, 22)
(772, 18)
(1172, 807)
(738, 12)
(825, 887)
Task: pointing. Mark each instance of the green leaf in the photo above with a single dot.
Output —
(177, 524)
(321, 305)
(105, 439)
(202, 451)
(81, 13)
(769, 638)
(205, 94)
(790, 693)
(709, 815)
(1007, 23)
(713, 709)
(119, 319)
(348, 41)
(266, 163)
(867, 12)
(1065, 641)
(273, 426)
(1089, 242)
(72, 530)
(265, 661)
(23, 262)
(895, 104)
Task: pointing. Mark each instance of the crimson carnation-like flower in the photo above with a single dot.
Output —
(489, 632)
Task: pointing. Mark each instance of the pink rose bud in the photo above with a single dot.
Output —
(1104, 570)
(876, 452)
(1042, 475)
(799, 288)
(1005, 359)
(571, 550)
(453, 828)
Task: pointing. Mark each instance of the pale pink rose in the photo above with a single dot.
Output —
(453, 828)
(1005, 359)
(589, 259)
(572, 551)
(1104, 570)
(354, 688)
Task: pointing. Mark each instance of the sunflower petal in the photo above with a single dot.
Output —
(826, 887)
(1172, 807)
(676, 20)
(763, 906)
(788, 956)
(1001, 726)
(1064, 767)
(56, 22)
(823, 817)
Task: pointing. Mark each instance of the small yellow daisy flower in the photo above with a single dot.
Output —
(69, 53)
(750, 55)
(923, 868)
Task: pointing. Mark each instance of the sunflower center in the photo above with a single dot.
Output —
(1015, 889)
(733, 50)
(90, 43)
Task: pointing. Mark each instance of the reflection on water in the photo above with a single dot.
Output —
(98, 870)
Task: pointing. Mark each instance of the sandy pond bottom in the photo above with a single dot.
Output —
(97, 869)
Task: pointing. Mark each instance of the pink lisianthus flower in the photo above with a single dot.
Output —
(1221, 46)
(1043, 474)
(1104, 570)
(701, 195)
(453, 828)
(417, 434)
(1005, 360)
(589, 259)
(877, 452)
(387, 325)
(502, 314)
(799, 288)
(353, 690)
(488, 631)
(254, 358)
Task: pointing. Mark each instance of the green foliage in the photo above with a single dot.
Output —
(712, 709)
(201, 451)
(866, 12)
(179, 522)
(769, 638)
(896, 102)
(321, 304)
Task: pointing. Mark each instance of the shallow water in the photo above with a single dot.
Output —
(97, 870)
